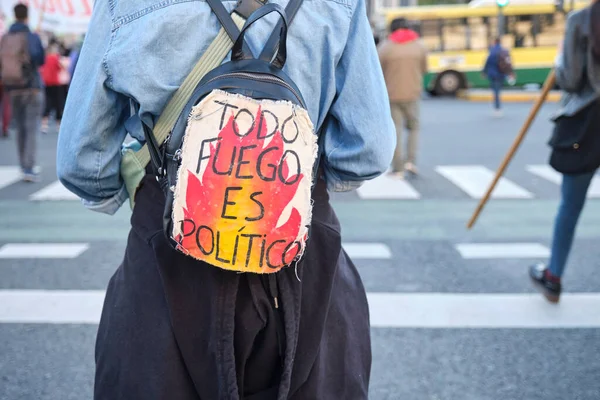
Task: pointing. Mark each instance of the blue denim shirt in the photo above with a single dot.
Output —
(137, 52)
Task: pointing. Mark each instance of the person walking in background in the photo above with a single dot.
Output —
(498, 67)
(21, 55)
(55, 96)
(74, 55)
(4, 98)
(578, 75)
(403, 59)
(64, 77)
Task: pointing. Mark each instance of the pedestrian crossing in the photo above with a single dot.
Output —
(474, 181)
(545, 172)
(470, 251)
(9, 175)
(42, 250)
(386, 187)
(355, 250)
(471, 180)
(396, 310)
(387, 310)
(53, 192)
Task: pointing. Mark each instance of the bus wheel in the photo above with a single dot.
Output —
(449, 83)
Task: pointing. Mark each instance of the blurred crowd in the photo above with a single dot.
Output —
(60, 57)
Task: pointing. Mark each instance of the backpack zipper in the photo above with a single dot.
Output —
(260, 78)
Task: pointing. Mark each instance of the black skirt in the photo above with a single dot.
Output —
(174, 328)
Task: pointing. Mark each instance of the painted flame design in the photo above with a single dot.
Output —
(241, 228)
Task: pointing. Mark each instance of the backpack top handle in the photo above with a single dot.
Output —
(239, 53)
(271, 48)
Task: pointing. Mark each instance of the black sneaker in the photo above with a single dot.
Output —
(550, 290)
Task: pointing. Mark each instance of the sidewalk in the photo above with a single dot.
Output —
(508, 96)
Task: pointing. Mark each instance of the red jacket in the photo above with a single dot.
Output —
(51, 70)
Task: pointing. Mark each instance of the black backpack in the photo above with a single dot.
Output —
(240, 163)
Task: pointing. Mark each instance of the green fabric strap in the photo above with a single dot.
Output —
(212, 58)
(133, 163)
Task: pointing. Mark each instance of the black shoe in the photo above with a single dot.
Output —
(550, 290)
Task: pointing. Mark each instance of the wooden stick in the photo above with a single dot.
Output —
(515, 146)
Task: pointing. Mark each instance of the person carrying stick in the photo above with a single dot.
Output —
(576, 139)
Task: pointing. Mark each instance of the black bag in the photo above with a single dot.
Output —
(575, 141)
(241, 161)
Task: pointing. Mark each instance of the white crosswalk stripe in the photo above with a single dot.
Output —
(477, 310)
(54, 191)
(386, 187)
(502, 250)
(9, 175)
(474, 180)
(387, 310)
(370, 251)
(42, 250)
(548, 173)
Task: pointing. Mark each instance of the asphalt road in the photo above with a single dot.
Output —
(453, 314)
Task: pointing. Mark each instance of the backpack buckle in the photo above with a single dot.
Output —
(245, 8)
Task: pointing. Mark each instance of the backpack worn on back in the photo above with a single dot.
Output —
(239, 164)
(504, 62)
(15, 61)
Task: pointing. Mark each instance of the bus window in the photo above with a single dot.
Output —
(429, 31)
(457, 35)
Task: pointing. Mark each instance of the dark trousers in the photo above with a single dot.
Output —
(175, 328)
(55, 101)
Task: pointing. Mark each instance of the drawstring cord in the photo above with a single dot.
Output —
(274, 290)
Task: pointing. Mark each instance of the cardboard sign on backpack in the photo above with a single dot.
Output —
(242, 201)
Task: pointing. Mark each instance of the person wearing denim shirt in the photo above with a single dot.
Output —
(577, 67)
(337, 71)
(173, 327)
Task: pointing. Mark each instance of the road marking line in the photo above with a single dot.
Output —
(550, 174)
(42, 250)
(372, 251)
(386, 187)
(9, 175)
(387, 310)
(51, 306)
(474, 180)
(53, 192)
(502, 250)
(520, 311)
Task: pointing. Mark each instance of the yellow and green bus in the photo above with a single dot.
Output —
(458, 38)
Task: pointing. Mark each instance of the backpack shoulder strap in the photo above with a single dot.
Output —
(214, 55)
(226, 19)
(212, 58)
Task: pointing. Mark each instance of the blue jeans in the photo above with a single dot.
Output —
(573, 191)
(496, 85)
